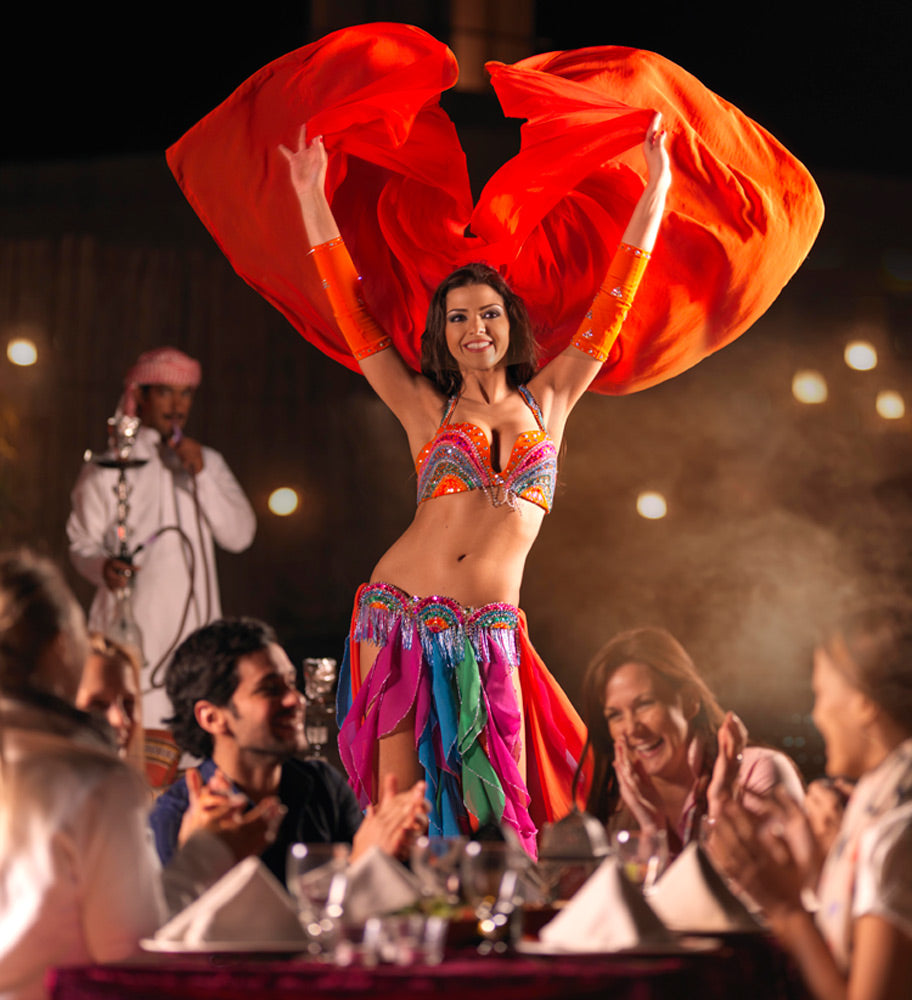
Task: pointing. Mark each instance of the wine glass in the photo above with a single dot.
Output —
(315, 876)
(436, 863)
(642, 854)
(490, 883)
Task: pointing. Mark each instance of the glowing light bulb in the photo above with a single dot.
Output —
(890, 405)
(283, 501)
(651, 505)
(860, 355)
(809, 387)
(22, 351)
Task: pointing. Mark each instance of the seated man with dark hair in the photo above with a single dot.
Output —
(236, 706)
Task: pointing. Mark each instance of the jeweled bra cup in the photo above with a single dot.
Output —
(458, 460)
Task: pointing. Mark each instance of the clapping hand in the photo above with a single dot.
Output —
(732, 739)
(395, 821)
(637, 790)
(216, 808)
(762, 853)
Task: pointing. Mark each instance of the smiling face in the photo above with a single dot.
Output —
(164, 407)
(840, 714)
(108, 691)
(265, 715)
(652, 721)
(477, 327)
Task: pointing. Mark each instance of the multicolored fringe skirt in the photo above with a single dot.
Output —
(453, 668)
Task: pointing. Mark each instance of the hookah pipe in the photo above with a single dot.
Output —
(121, 438)
(156, 678)
(176, 437)
(122, 431)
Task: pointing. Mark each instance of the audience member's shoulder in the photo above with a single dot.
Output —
(77, 751)
(71, 775)
(175, 796)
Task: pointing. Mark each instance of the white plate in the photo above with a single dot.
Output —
(682, 946)
(222, 947)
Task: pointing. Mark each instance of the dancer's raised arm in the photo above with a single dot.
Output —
(559, 385)
(409, 395)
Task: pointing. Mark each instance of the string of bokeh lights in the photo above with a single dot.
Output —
(809, 387)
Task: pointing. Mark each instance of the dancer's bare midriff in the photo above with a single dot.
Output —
(463, 547)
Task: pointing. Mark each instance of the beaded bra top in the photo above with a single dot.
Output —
(458, 459)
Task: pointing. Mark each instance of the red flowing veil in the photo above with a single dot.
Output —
(740, 218)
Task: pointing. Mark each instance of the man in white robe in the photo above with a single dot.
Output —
(181, 501)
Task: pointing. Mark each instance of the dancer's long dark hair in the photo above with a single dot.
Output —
(440, 366)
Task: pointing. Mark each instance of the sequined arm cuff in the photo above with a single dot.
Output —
(361, 331)
(603, 322)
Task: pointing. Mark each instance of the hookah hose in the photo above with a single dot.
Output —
(199, 534)
(176, 437)
(155, 675)
(155, 678)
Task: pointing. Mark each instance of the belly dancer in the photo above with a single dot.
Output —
(441, 665)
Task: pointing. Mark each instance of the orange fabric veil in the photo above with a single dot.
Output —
(741, 215)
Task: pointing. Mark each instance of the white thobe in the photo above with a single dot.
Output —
(174, 517)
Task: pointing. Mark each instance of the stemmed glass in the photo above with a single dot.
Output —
(315, 876)
(436, 862)
(643, 855)
(490, 883)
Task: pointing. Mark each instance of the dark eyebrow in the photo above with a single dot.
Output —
(271, 679)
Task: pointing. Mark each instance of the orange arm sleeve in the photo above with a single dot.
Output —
(609, 308)
(341, 282)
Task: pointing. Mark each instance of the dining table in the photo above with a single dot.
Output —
(742, 966)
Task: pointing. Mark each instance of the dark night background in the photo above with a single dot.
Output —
(97, 80)
(776, 511)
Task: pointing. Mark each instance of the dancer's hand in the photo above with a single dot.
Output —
(656, 154)
(307, 164)
(638, 792)
(307, 167)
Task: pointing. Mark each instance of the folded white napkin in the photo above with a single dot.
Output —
(378, 884)
(607, 914)
(247, 904)
(691, 896)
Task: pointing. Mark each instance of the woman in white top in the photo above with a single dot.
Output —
(859, 945)
(79, 879)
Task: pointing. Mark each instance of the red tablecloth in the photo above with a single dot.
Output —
(750, 968)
